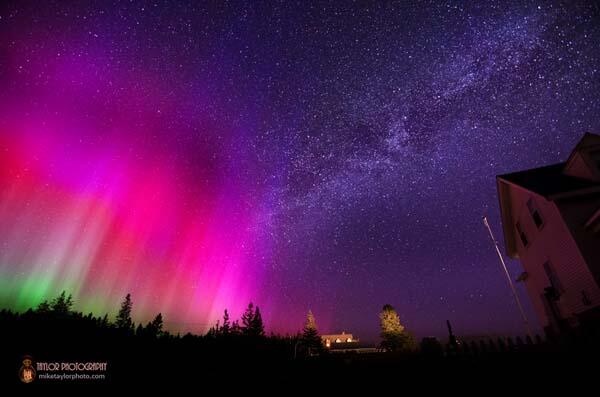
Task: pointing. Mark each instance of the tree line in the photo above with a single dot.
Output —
(252, 324)
(394, 336)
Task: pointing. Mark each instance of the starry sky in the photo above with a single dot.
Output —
(332, 156)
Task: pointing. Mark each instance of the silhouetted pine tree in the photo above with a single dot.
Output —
(258, 327)
(226, 327)
(104, 323)
(248, 319)
(252, 323)
(44, 307)
(235, 328)
(124, 317)
(211, 333)
(155, 327)
(62, 304)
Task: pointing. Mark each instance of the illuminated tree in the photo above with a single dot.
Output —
(393, 334)
(310, 334)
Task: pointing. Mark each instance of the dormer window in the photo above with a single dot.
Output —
(522, 234)
(535, 214)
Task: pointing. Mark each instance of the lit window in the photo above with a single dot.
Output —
(535, 214)
(522, 234)
(338, 340)
(349, 340)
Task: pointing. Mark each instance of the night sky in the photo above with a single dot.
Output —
(326, 156)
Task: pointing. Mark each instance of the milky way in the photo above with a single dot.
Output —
(325, 156)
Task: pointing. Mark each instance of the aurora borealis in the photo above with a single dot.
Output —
(332, 156)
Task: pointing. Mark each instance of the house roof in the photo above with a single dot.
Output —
(335, 336)
(548, 181)
(552, 182)
(588, 140)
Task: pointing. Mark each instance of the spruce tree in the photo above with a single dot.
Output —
(62, 304)
(248, 319)
(226, 327)
(310, 334)
(393, 334)
(124, 317)
(252, 323)
(258, 327)
(235, 328)
(211, 333)
(156, 326)
(44, 307)
(104, 323)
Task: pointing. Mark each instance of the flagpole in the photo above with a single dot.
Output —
(512, 286)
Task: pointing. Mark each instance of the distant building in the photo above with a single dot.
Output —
(551, 222)
(330, 341)
(346, 343)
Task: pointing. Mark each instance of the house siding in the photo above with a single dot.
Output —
(576, 212)
(553, 242)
